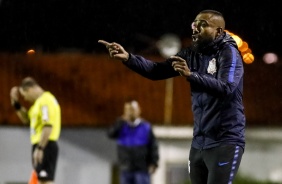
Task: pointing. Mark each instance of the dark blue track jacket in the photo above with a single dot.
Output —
(136, 145)
(216, 89)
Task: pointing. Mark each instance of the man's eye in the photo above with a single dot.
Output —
(204, 24)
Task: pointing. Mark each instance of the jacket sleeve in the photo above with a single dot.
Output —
(153, 148)
(113, 131)
(229, 74)
(150, 69)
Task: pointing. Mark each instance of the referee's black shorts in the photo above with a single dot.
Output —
(46, 170)
(217, 165)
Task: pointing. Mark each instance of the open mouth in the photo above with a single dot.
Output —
(195, 38)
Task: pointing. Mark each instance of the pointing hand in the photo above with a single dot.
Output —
(115, 50)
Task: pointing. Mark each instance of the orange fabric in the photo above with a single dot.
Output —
(33, 178)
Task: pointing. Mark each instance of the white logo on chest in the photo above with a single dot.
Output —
(212, 66)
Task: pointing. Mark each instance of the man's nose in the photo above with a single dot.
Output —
(195, 27)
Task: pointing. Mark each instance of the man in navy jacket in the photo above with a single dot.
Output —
(137, 147)
(214, 68)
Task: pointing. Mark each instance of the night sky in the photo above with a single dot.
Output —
(54, 25)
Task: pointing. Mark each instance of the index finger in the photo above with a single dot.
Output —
(104, 42)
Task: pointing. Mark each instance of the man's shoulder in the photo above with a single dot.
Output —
(145, 122)
(46, 94)
(47, 97)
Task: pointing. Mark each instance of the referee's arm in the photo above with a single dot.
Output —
(20, 110)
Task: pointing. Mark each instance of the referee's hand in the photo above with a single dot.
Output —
(37, 157)
(14, 94)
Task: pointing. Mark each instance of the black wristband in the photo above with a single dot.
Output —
(17, 105)
(39, 147)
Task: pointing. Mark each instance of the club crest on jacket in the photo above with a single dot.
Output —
(212, 66)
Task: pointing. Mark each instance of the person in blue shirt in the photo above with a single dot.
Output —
(213, 67)
(137, 146)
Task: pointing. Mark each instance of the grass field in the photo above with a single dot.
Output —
(244, 180)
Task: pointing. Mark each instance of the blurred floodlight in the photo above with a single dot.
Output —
(169, 45)
(30, 51)
(244, 46)
(248, 58)
(238, 40)
(270, 58)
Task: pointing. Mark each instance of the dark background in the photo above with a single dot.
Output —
(54, 25)
(91, 87)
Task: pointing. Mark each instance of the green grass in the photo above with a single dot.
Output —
(244, 180)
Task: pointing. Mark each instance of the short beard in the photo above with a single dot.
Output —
(200, 45)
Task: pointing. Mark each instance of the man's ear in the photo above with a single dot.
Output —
(219, 31)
